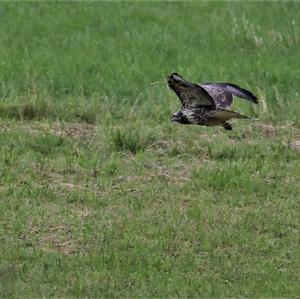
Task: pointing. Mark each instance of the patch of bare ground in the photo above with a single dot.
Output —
(62, 189)
(55, 236)
(58, 238)
(295, 144)
(163, 144)
(160, 144)
(80, 131)
(178, 172)
(270, 130)
(50, 237)
(4, 128)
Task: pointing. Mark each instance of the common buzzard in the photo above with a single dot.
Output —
(207, 104)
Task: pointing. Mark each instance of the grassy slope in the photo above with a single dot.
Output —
(102, 196)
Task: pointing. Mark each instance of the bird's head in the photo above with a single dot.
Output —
(175, 80)
(179, 117)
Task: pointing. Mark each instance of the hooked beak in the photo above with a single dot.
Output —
(175, 116)
(175, 78)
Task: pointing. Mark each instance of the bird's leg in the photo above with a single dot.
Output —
(227, 126)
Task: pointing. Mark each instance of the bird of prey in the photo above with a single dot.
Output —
(207, 104)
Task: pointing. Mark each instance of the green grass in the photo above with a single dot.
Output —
(102, 196)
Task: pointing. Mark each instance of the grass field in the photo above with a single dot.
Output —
(102, 196)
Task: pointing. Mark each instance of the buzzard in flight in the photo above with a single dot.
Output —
(207, 104)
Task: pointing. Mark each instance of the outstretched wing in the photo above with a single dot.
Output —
(222, 93)
(191, 95)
